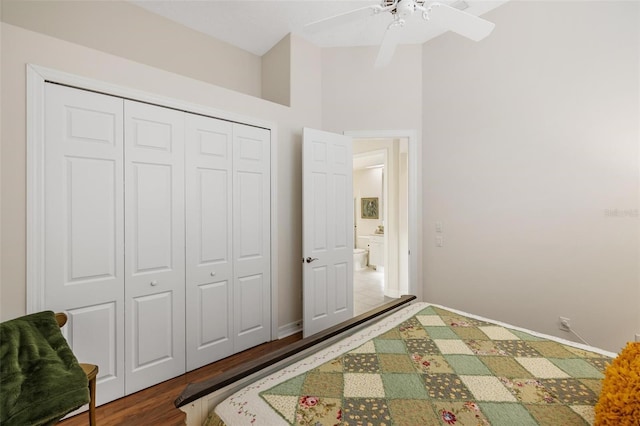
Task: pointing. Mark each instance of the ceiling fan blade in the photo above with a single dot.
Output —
(340, 19)
(388, 46)
(460, 22)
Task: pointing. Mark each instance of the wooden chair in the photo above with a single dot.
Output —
(90, 370)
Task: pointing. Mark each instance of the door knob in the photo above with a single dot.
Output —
(311, 259)
(213, 274)
(154, 283)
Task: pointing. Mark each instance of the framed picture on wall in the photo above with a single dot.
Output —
(369, 208)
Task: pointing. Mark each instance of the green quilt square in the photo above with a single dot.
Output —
(404, 386)
(470, 333)
(323, 384)
(505, 367)
(389, 346)
(554, 415)
(550, 349)
(396, 363)
(413, 412)
(391, 334)
(507, 414)
(467, 365)
(290, 387)
(526, 336)
(578, 368)
(436, 332)
(427, 311)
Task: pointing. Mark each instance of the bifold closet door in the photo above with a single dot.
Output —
(83, 270)
(154, 244)
(251, 236)
(209, 219)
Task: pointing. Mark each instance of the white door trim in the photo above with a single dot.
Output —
(415, 199)
(37, 76)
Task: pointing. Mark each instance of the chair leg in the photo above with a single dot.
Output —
(92, 402)
(92, 372)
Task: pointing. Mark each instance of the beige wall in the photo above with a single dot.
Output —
(276, 73)
(357, 96)
(530, 137)
(20, 46)
(128, 31)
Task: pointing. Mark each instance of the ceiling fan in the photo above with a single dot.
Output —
(440, 14)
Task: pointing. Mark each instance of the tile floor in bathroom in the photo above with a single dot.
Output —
(368, 290)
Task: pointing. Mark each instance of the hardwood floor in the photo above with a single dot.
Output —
(154, 405)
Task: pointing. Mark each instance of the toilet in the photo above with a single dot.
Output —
(360, 258)
(361, 254)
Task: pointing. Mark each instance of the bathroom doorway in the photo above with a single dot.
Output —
(381, 247)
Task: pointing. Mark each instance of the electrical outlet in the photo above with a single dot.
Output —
(439, 241)
(564, 324)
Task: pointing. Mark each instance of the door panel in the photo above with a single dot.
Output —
(327, 216)
(83, 250)
(251, 236)
(208, 150)
(152, 312)
(92, 332)
(154, 243)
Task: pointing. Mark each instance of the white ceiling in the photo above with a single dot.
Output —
(256, 26)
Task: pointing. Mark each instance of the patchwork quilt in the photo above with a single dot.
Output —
(429, 365)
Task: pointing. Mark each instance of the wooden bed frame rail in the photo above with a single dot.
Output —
(198, 398)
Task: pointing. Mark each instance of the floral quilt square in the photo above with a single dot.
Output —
(412, 329)
(529, 391)
(365, 411)
(360, 363)
(430, 364)
(484, 347)
(422, 346)
(357, 385)
(460, 413)
(446, 386)
(517, 348)
(570, 391)
(323, 411)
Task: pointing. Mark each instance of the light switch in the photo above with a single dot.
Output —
(439, 241)
(438, 227)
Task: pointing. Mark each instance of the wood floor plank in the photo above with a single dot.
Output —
(155, 405)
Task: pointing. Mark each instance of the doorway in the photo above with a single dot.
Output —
(381, 221)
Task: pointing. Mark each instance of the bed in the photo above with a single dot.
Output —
(416, 364)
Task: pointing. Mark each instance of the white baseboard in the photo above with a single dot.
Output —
(289, 329)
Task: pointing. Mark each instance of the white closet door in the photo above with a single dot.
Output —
(84, 227)
(251, 236)
(209, 290)
(154, 244)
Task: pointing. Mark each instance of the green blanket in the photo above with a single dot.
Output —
(40, 378)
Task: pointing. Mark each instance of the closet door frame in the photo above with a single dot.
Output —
(36, 77)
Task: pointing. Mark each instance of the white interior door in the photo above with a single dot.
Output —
(251, 236)
(209, 220)
(84, 227)
(154, 244)
(327, 239)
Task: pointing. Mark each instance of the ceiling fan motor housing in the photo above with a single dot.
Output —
(406, 7)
